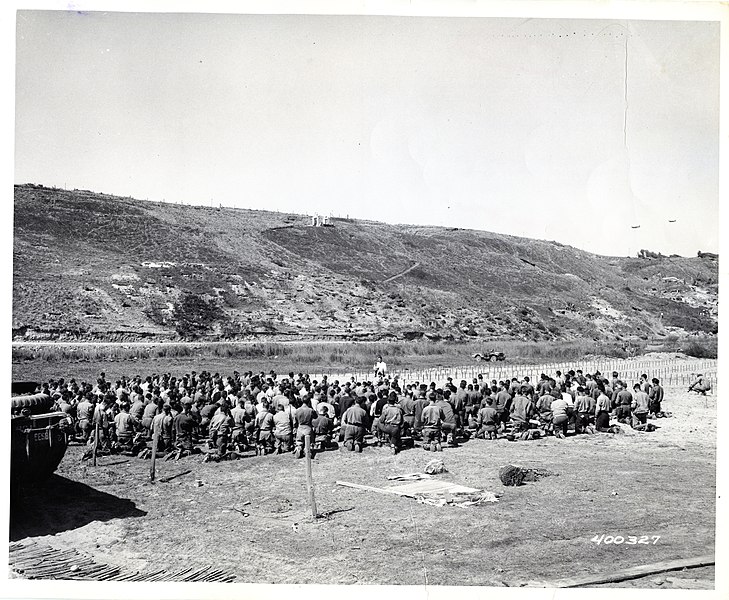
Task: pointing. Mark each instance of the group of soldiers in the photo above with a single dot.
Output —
(271, 414)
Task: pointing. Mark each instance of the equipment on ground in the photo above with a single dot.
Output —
(38, 438)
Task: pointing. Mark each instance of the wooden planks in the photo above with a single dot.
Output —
(630, 572)
(367, 488)
(30, 560)
(416, 488)
(409, 477)
(431, 486)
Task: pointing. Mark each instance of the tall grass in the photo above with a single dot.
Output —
(344, 355)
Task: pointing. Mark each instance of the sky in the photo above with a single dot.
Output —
(572, 130)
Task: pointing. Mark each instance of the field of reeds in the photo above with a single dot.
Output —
(319, 354)
(42, 361)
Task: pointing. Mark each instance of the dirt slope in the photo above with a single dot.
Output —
(104, 267)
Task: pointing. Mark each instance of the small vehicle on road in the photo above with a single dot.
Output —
(489, 356)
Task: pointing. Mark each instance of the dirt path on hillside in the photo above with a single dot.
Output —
(405, 272)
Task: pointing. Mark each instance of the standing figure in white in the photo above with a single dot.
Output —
(380, 367)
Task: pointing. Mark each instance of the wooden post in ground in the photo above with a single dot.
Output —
(309, 480)
(96, 441)
(155, 439)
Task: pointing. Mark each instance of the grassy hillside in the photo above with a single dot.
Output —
(102, 267)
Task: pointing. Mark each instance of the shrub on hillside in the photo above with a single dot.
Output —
(232, 329)
(701, 349)
(690, 319)
(194, 315)
(155, 311)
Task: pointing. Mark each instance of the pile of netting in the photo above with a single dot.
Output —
(512, 475)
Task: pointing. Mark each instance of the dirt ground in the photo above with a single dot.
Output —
(634, 484)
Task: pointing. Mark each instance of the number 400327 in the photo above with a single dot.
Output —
(630, 540)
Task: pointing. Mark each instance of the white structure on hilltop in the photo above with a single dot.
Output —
(320, 221)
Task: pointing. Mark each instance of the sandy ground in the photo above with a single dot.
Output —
(637, 484)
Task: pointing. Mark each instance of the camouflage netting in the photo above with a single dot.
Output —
(536, 474)
(512, 475)
(515, 475)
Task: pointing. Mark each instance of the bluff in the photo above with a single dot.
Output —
(93, 266)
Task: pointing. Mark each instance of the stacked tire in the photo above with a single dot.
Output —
(35, 403)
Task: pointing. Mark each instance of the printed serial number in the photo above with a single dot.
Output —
(630, 540)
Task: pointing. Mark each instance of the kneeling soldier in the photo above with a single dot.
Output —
(432, 418)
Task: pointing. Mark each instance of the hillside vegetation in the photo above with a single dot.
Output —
(94, 266)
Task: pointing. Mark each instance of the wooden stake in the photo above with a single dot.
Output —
(309, 480)
(155, 438)
(96, 441)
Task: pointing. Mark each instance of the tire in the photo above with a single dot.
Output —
(478, 358)
(36, 403)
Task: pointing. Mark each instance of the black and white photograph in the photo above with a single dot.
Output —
(380, 296)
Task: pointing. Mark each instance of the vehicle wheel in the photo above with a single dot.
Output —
(36, 403)
(478, 358)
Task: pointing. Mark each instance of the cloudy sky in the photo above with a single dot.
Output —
(568, 130)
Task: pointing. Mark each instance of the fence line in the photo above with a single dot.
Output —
(669, 372)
